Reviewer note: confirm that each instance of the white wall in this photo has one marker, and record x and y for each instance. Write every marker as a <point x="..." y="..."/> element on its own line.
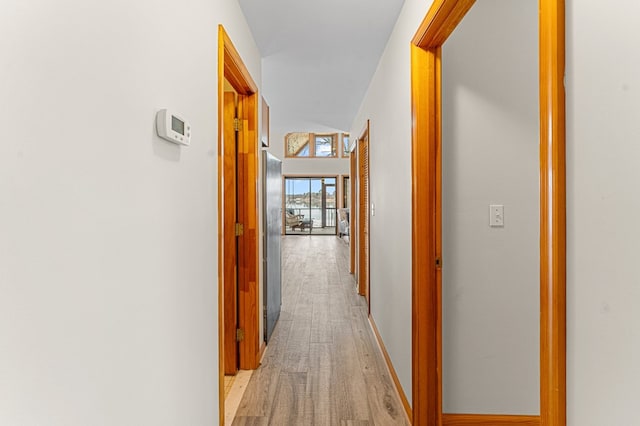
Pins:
<point x="108" y="235"/>
<point x="388" y="105"/>
<point x="490" y="155"/>
<point x="603" y="207"/>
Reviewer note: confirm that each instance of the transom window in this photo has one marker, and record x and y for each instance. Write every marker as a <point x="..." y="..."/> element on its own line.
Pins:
<point x="325" y="145"/>
<point x="345" y="145"/>
<point x="311" y="145"/>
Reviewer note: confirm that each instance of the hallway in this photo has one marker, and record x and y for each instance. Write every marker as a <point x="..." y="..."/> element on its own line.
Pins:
<point x="322" y="365"/>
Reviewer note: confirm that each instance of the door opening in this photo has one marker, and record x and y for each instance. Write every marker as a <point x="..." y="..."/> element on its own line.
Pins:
<point x="238" y="257"/>
<point x="310" y="205"/>
<point x="426" y="77"/>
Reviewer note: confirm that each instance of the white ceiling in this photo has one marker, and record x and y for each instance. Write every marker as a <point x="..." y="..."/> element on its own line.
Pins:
<point x="318" y="56"/>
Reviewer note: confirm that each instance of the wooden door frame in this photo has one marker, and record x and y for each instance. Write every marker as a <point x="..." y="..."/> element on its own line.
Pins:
<point x="231" y="68"/>
<point x="426" y="78"/>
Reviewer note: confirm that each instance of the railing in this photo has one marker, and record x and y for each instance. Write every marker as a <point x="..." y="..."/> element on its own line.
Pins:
<point x="316" y="215"/>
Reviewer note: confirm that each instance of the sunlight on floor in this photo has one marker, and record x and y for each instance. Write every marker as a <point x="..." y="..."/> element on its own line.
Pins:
<point x="234" y="387"/>
<point x="228" y="383"/>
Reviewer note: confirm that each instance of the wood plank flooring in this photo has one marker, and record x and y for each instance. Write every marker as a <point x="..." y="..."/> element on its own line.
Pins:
<point x="322" y="365"/>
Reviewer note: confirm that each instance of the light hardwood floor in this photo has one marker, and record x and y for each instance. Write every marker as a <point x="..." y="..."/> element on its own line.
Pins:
<point x="322" y="365"/>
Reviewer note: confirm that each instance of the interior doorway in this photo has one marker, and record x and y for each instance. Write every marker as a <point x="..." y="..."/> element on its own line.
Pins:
<point x="310" y="205"/>
<point x="238" y="256"/>
<point x="426" y="78"/>
<point x="489" y="157"/>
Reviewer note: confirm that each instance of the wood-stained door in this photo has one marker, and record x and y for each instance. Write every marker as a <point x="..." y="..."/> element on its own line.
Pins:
<point x="230" y="238"/>
<point x="363" y="215"/>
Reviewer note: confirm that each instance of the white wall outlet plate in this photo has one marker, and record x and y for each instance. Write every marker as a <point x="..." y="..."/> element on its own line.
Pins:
<point x="496" y="215"/>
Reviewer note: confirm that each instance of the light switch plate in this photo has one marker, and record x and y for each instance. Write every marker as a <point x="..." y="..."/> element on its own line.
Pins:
<point x="496" y="215"/>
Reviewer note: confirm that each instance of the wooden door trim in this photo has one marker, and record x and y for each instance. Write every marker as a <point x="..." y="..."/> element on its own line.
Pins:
<point x="552" y="213"/>
<point x="312" y="175"/>
<point x="231" y="68"/>
<point x="439" y="23"/>
<point x="489" y="420"/>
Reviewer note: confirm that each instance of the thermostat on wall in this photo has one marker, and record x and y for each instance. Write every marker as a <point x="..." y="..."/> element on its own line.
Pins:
<point x="172" y="127"/>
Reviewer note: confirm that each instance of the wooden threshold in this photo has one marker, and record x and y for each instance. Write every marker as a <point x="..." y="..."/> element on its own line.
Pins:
<point x="489" y="420"/>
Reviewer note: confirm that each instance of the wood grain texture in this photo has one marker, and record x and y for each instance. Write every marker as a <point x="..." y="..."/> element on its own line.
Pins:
<point x="392" y="370"/>
<point x="442" y="18"/>
<point x="229" y="249"/>
<point x="248" y="254"/>
<point x="251" y="421"/>
<point x="353" y="172"/>
<point x="363" y="215"/>
<point x="489" y="420"/>
<point x="263" y="349"/>
<point x="234" y="69"/>
<point x="322" y="365"/>
<point x="425" y="303"/>
<point x="244" y="240"/>
<point x="221" y="83"/>
<point x="438" y="222"/>
<point x="552" y="214"/>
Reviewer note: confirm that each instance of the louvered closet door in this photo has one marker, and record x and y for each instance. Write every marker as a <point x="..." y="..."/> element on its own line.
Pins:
<point x="353" y="215"/>
<point x="363" y="215"/>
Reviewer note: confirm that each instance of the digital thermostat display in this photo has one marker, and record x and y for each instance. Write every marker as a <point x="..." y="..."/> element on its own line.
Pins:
<point x="173" y="127"/>
<point x="177" y="125"/>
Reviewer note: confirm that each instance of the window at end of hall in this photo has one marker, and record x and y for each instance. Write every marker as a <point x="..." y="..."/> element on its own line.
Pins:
<point x="325" y="145"/>
<point x="311" y="145"/>
<point x="345" y="144"/>
<point x="297" y="145"/>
